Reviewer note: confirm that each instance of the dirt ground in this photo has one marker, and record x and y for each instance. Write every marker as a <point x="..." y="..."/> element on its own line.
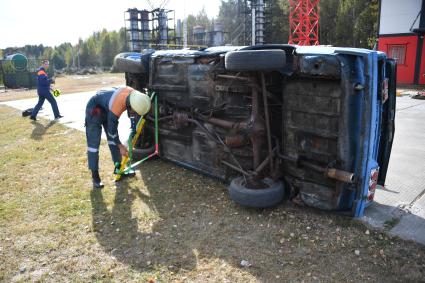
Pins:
<point x="69" y="84"/>
<point x="167" y="224"/>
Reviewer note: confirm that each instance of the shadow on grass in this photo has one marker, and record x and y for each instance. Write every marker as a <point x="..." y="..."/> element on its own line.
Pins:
<point x="40" y="129"/>
<point x="190" y="223"/>
<point x="184" y="222"/>
<point x="120" y="235"/>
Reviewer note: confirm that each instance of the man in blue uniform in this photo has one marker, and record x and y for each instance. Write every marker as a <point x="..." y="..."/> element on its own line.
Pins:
<point x="104" y="109"/>
<point x="43" y="91"/>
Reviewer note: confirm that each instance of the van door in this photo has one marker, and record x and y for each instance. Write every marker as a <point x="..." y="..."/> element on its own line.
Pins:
<point x="388" y="117"/>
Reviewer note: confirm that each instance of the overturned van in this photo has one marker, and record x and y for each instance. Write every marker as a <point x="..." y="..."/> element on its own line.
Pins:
<point x="312" y="123"/>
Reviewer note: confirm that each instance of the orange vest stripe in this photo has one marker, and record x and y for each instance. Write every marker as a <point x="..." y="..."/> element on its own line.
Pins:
<point x="118" y="105"/>
<point x="41" y="73"/>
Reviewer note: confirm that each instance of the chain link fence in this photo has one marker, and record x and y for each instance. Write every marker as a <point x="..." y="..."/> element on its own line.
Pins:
<point x="22" y="76"/>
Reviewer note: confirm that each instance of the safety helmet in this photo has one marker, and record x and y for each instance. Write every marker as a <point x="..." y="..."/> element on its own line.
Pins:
<point x="56" y="92"/>
<point x="140" y="102"/>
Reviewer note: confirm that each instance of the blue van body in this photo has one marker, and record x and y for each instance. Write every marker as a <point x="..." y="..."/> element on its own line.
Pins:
<point x="321" y="122"/>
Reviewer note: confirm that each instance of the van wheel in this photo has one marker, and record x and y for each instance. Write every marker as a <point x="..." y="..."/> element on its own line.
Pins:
<point x="129" y="62"/>
<point x="269" y="193"/>
<point x="140" y="153"/>
<point x="255" y="60"/>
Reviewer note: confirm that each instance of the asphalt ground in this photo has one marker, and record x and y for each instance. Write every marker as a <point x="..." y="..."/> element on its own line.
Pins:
<point x="400" y="205"/>
<point x="72" y="107"/>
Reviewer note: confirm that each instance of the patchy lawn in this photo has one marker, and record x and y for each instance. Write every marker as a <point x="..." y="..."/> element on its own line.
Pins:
<point x="166" y="225"/>
<point x="70" y="84"/>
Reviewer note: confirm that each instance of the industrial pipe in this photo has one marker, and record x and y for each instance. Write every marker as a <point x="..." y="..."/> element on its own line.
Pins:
<point x="336" y="174"/>
<point x="340" y="175"/>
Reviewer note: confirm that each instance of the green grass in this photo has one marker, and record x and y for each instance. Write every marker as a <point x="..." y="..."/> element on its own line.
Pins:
<point x="166" y="225"/>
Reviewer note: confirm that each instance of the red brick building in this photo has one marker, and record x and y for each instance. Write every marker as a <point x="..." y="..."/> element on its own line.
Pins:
<point x="401" y="35"/>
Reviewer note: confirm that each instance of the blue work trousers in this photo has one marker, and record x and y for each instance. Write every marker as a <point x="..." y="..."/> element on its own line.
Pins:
<point x="41" y="98"/>
<point x="96" y="118"/>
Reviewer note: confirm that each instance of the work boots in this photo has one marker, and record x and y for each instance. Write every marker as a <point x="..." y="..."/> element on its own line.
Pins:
<point x="97" y="183"/>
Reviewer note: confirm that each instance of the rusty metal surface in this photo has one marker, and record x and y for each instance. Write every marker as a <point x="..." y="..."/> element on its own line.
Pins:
<point x="233" y="109"/>
<point x="228" y="123"/>
<point x="311" y="118"/>
<point x="267" y="119"/>
<point x="235" y="141"/>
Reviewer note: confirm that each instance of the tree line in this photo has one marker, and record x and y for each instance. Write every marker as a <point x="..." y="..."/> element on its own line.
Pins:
<point x="342" y="23"/>
<point x="350" y="23"/>
<point x="98" y="50"/>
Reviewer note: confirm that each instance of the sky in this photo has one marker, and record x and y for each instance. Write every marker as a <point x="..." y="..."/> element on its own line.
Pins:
<point x="52" y="22"/>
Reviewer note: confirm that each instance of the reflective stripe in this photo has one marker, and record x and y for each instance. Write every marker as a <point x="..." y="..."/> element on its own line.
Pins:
<point x="112" y="136"/>
<point x="112" y="143"/>
<point x="111" y="101"/>
<point x="92" y="149"/>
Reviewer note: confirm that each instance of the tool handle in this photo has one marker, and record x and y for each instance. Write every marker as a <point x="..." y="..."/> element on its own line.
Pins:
<point x="125" y="159"/>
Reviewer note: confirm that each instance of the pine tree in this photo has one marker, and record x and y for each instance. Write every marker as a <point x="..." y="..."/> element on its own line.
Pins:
<point x="106" y="52"/>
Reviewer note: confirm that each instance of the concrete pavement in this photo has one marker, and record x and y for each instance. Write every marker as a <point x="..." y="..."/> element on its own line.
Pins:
<point x="72" y="107"/>
<point x="399" y="206"/>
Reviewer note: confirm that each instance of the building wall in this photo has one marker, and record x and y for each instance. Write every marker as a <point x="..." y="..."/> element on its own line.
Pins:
<point x="397" y="21"/>
<point x="422" y="68"/>
<point x="406" y="65"/>
<point x="397" y="16"/>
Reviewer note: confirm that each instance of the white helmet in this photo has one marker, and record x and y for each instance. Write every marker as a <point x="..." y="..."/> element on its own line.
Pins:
<point x="140" y="102"/>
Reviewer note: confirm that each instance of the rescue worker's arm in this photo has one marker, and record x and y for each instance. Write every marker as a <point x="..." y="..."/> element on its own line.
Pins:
<point x="123" y="150"/>
<point x="112" y="133"/>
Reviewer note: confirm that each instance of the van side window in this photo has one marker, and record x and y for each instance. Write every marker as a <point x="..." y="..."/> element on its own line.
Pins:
<point x="397" y="52"/>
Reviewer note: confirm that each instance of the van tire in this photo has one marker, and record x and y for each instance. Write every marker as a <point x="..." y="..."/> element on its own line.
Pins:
<point x="140" y="153"/>
<point x="272" y="195"/>
<point x="255" y="60"/>
<point x="123" y="63"/>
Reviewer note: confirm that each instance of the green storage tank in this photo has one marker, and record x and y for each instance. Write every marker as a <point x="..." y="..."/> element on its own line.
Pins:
<point x="19" y="61"/>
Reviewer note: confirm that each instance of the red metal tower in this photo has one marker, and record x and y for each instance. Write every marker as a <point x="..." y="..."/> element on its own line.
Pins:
<point x="304" y="22"/>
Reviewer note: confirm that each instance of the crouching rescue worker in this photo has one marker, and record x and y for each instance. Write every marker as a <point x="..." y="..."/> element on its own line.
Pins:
<point x="104" y="109"/>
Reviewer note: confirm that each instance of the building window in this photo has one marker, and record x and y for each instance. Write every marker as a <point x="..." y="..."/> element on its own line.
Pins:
<point x="397" y="52"/>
